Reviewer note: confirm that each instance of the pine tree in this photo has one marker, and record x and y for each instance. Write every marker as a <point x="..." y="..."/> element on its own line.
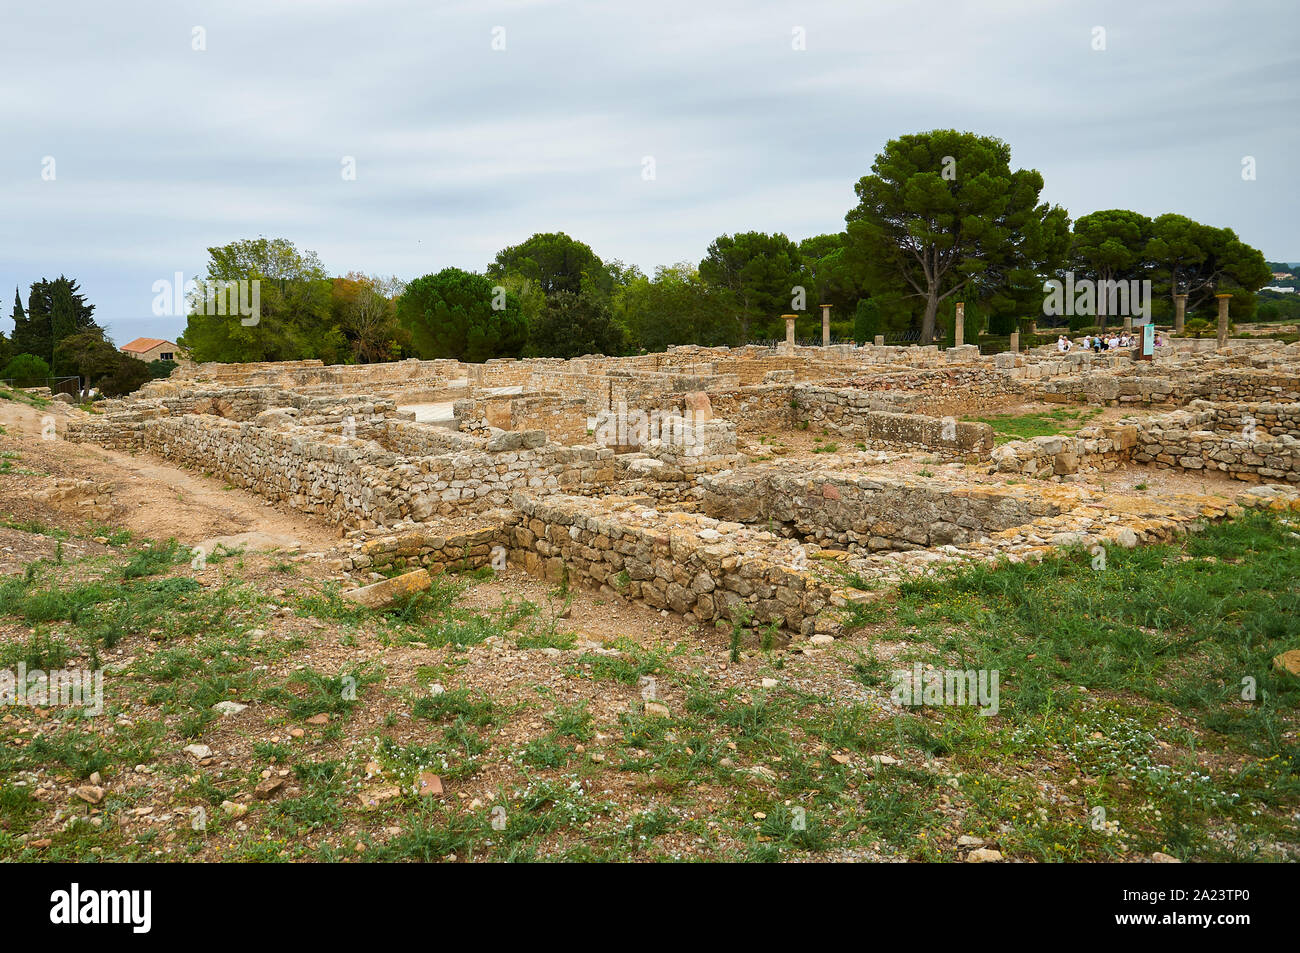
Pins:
<point x="55" y="310"/>
<point x="29" y="337"/>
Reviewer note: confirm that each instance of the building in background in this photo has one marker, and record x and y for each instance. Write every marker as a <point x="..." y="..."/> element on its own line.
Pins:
<point x="153" y="349"/>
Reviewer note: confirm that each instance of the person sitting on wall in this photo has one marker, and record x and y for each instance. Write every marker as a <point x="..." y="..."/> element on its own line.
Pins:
<point x="1063" y="344"/>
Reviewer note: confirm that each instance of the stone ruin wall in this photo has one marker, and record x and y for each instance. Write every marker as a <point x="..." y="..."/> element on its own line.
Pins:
<point x="867" y="416"/>
<point x="564" y="418"/>
<point x="870" y="513"/>
<point x="1246" y="441"/>
<point x="301" y="434"/>
<point x="678" y="561"/>
<point x="355" y="483"/>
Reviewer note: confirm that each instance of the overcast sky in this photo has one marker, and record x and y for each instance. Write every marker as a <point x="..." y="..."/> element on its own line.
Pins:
<point x="161" y="150"/>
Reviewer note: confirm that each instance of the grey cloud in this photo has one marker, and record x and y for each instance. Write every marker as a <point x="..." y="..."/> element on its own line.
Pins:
<point x="163" y="151"/>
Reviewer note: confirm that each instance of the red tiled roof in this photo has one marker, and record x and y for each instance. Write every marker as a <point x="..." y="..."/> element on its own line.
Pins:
<point x="140" y="345"/>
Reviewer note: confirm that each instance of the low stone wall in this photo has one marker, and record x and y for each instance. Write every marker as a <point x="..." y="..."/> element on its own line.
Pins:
<point x="1248" y="385"/>
<point x="438" y="551"/>
<point x="595" y="389"/>
<point x="689" y="564"/>
<point x="870" y="512"/>
<point x="1092" y="448"/>
<point x="354" y="482"/>
<point x="1259" y="417"/>
<point x="246" y="402"/>
<point x="1247" y="441"/>
<point x="758" y="408"/>
<point x="865" y="415"/>
<point x="848" y="413"/>
<point x="563" y="418"/>
<point x="411" y="439"/>
<point x="1138" y="384"/>
<point x="309" y="373"/>
<point x="1207" y="437"/>
<point x="956" y="390"/>
<point x="1108" y="389"/>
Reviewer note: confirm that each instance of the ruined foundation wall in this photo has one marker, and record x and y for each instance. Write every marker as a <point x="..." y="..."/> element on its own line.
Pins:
<point x="855" y="413"/>
<point x="355" y="482"/>
<point x="677" y="561"/>
<point x="1210" y="437"/>
<point x="870" y="513"/>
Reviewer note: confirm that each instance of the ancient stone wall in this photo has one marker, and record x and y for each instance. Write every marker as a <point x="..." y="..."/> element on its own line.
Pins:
<point x="1218" y="438"/>
<point x="849" y="412"/>
<point x="869" y="512"/>
<point x="1172" y="385"/>
<point x="355" y="482"/>
<point x="1092" y="448"/>
<point x="860" y="414"/>
<point x="684" y="562"/>
<point x="438" y="551"/>
<point x="563" y="418"/>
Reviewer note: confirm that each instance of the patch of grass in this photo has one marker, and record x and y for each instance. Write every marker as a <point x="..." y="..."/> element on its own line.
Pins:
<point x="22" y="397"/>
<point x="308" y="692"/>
<point x="319" y="805"/>
<point x="150" y="561"/>
<point x="1118" y="677"/>
<point x="1007" y="427"/>
<point x="34" y="527"/>
<point x="629" y="667"/>
<point x="43" y="651"/>
<point x="458" y="703"/>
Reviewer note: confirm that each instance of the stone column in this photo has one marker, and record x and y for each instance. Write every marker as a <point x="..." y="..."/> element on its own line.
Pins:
<point x="1015" y="342"/>
<point x="880" y="340"/>
<point x="959" y="325"/>
<point x="826" y="325"/>
<point x="1223" y="318"/>
<point x="1180" y="312"/>
<point x="1128" y="324"/>
<point x="789" y="331"/>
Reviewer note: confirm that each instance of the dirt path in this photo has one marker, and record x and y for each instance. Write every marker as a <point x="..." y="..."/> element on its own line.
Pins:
<point x="148" y="496"/>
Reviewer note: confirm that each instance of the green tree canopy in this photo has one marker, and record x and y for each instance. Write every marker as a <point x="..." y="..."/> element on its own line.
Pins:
<point x="943" y="210"/>
<point x="364" y="309"/>
<point x="866" y="321"/>
<point x="572" y="325"/>
<point x="830" y="276"/>
<point x="1186" y="257"/>
<point x="55" y="309"/>
<point x="755" y="274"/>
<point x="26" y="368"/>
<point x="98" y="363"/>
<point x="554" y="262"/>
<point x="294" y="321"/>
<point x="675" y="307"/>
<point x="160" y="370"/>
<point x="1110" y="246"/>
<point x="461" y="315"/>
